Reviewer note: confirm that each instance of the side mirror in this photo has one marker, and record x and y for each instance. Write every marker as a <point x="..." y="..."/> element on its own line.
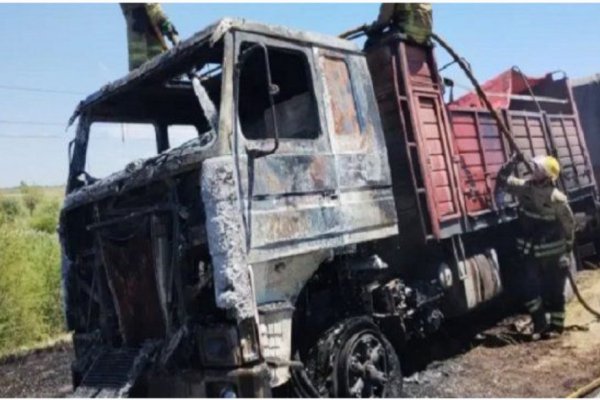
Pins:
<point x="262" y="147"/>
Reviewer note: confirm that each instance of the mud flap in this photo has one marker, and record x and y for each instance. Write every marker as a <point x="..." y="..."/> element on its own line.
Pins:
<point x="114" y="372"/>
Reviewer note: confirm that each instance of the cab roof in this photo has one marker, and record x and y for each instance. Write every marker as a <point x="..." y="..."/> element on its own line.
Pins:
<point x="151" y="76"/>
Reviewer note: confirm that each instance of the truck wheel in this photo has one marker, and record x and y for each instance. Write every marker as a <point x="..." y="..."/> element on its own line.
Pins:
<point x="351" y="359"/>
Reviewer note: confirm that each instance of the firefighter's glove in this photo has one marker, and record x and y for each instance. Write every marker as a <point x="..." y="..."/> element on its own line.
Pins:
<point x="505" y="172"/>
<point x="518" y="156"/>
<point x="168" y="29"/>
<point x="565" y="261"/>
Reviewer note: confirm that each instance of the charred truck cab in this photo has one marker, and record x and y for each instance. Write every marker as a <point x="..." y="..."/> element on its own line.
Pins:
<point x="314" y="225"/>
<point x="182" y="271"/>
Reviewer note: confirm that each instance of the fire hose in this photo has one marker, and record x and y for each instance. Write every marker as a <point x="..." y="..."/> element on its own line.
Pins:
<point x="584" y="303"/>
<point x="502" y="126"/>
<point x="586" y="390"/>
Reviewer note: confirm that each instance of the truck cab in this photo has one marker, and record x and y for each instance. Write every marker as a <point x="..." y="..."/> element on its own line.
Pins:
<point x="183" y="270"/>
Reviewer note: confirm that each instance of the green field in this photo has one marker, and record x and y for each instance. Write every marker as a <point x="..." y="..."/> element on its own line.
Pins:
<point x="30" y="299"/>
<point x="56" y="192"/>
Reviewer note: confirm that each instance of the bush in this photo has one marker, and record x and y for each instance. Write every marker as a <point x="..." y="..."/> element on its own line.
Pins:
<point x="30" y="300"/>
<point x="45" y="216"/>
<point x="31" y="195"/>
<point x="10" y="210"/>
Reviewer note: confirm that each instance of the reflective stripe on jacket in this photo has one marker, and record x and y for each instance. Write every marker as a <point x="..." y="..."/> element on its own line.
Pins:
<point x="142" y="42"/>
<point x="547" y="222"/>
<point x="528" y="248"/>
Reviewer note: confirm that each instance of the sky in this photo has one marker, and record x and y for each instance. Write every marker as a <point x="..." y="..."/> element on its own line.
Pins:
<point x="71" y="50"/>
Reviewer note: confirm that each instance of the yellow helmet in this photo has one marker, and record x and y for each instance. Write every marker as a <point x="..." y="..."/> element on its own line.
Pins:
<point x="547" y="165"/>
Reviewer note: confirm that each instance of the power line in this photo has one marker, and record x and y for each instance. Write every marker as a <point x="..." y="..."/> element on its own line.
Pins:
<point x="41" y="90"/>
<point x="31" y="137"/>
<point x="24" y="122"/>
<point x="98" y="137"/>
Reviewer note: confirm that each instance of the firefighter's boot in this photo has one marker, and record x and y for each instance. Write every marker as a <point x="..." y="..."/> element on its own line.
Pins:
<point x="538" y="317"/>
<point x="557" y="325"/>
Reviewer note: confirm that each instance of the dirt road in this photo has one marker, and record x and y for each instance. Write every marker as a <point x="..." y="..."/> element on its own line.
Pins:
<point x="495" y="365"/>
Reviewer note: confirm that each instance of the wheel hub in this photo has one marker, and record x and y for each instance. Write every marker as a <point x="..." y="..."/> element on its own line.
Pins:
<point x="366" y="369"/>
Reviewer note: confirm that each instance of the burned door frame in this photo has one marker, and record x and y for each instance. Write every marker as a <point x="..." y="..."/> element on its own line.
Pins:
<point x="308" y="162"/>
<point x="367" y="204"/>
<point x="311" y="195"/>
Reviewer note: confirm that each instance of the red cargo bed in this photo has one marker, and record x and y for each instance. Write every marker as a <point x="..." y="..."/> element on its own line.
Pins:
<point x="481" y="151"/>
<point x="444" y="159"/>
<point x="418" y="138"/>
<point x="540" y="113"/>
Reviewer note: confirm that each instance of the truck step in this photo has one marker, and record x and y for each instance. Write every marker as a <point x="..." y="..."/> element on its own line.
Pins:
<point x="113" y="373"/>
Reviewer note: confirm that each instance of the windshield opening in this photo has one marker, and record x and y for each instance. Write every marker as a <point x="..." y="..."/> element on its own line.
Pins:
<point x="153" y="115"/>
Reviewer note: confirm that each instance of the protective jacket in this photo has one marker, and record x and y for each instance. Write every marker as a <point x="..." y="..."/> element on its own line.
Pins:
<point x="547" y="222"/>
<point x="143" y="20"/>
<point x="414" y="19"/>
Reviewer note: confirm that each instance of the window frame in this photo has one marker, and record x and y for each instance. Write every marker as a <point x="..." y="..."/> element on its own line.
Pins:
<point x="320" y="143"/>
<point x="363" y="105"/>
<point x="94" y="136"/>
<point x="334" y="56"/>
<point x="197" y="134"/>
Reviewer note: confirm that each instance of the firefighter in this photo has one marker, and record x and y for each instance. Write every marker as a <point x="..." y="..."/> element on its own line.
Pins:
<point x="545" y="241"/>
<point x="414" y="19"/>
<point x="147" y="24"/>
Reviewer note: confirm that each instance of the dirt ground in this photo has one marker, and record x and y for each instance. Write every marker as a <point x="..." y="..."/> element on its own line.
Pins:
<point x="493" y="364"/>
<point x="501" y="365"/>
<point x="41" y="373"/>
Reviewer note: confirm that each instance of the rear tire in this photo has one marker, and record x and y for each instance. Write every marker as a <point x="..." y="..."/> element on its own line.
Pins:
<point x="351" y="359"/>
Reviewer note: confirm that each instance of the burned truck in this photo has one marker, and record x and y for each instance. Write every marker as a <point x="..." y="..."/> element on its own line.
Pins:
<point x="317" y="221"/>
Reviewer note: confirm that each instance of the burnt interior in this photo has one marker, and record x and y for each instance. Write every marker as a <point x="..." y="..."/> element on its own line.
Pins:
<point x="137" y="254"/>
<point x="292" y="94"/>
<point x="140" y="261"/>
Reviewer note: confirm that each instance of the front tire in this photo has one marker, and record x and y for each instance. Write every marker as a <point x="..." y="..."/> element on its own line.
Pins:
<point x="351" y="359"/>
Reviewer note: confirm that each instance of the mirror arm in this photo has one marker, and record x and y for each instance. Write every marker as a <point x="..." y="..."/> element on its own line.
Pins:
<point x="273" y="90"/>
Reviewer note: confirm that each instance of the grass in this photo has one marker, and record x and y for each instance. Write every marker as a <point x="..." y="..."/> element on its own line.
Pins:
<point x="52" y="192"/>
<point x="43" y="345"/>
<point x="30" y="296"/>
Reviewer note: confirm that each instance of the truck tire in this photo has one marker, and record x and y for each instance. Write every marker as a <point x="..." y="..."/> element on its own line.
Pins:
<point x="351" y="359"/>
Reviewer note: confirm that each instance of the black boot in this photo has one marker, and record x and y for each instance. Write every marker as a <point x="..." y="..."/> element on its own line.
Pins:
<point x="556" y="327"/>
<point x="540" y="325"/>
